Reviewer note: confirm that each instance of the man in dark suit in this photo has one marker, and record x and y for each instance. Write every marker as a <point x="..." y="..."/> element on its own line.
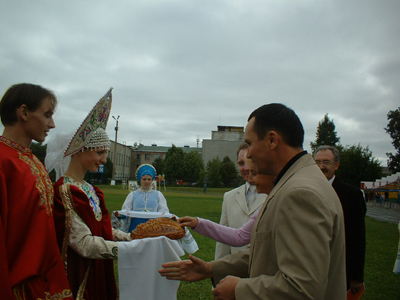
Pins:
<point x="354" y="209"/>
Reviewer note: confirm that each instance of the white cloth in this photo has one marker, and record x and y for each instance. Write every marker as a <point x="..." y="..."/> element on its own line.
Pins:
<point x="188" y="243"/>
<point x="138" y="265"/>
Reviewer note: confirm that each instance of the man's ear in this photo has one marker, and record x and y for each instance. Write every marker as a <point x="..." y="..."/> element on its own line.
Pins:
<point x="23" y="112"/>
<point x="337" y="165"/>
<point x="273" y="139"/>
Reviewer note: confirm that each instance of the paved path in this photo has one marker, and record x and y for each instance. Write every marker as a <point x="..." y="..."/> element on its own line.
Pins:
<point x="383" y="214"/>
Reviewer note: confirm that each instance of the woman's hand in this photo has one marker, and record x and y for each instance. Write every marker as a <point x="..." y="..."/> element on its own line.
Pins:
<point x="188" y="221"/>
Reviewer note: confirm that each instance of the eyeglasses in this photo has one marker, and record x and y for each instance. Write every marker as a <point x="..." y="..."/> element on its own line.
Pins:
<point x="324" y="162"/>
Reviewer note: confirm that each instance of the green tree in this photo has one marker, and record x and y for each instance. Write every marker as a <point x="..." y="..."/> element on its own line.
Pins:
<point x="158" y="164"/>
<point x="108" y="169"/>
<point x="173" y="167"/>
<point x="228" y="172"/>
<point x="393" y="129"/>
<point x="214" y="177"/>
<point x="357" y="164"/>
<point x="39" y="150"/>
<point x="96" y="177"/>
<point x="326" y="134"/>
<point x="193" y="165"/>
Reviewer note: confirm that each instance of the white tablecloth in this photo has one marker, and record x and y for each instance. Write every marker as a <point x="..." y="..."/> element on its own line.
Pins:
<point x="138" y="265"/>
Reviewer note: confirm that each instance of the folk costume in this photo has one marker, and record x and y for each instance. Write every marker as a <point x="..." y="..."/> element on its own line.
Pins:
<point x="30" y="261"/>
<point x="148" y="200"/>
<point x="87" y="242"/>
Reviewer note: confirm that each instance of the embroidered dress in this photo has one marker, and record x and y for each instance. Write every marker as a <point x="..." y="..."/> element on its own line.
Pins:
<point x="30" y="261"/>
<point x="146" y="200"/>
<point x="85" y="238"/>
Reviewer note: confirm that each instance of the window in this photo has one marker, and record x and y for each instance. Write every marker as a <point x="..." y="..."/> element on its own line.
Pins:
<point x="147" y="156"/>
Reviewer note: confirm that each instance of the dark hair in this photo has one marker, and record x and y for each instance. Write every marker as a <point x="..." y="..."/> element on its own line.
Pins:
<point x="280" y="118"/>
<point x="241" y="147"/>
<point x="19" y="94"/>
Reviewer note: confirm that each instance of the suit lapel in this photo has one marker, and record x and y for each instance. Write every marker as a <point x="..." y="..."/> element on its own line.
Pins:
<point x="240" y="198"/>
<point x="300" y="163"/>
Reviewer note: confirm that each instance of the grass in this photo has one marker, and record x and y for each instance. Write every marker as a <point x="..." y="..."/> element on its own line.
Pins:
<point x="382" y="241"/>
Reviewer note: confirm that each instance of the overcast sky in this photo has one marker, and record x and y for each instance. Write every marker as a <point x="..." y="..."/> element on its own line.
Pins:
<point x="181" y="68"/>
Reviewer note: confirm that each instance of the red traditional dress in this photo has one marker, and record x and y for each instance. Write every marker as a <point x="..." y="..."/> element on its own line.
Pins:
<point x="85" y="237"/>
<point x="30" y="261"/>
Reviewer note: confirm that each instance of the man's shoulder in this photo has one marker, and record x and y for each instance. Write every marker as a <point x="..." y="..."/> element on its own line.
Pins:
<point x="341" y="186"/>
<point x="235" y="191"/>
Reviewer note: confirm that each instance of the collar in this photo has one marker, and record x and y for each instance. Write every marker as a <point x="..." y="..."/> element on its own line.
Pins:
<point x="247" y="186"/>
<point x="15" y="145"/>
<point x="289" y="164"/>
<point x="332" y="179"/>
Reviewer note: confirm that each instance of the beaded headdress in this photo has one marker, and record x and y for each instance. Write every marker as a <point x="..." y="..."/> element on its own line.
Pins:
<point x="99" y="140"/>
<point x="96" y="119"/>
<point x="145" y="169"/>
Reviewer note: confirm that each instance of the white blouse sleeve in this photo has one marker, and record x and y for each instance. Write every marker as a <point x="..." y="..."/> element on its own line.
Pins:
<point x="85" y="244"/>
<point x="162" y="203"/>
<point x="128" y="204"/>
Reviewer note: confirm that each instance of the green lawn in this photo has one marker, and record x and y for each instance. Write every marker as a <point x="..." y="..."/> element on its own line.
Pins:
<point x="382" y="241"/>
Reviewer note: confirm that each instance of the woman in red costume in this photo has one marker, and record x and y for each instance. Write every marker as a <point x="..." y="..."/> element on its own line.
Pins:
<point x="87" y="242"/>
<point x="30" y="261"/>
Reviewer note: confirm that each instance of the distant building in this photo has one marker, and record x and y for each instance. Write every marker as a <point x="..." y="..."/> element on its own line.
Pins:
<point x="126" y="159"/>
<point x="224" y="142"/>
<point x="148" y="154"/>
<point x="122" y="161"/>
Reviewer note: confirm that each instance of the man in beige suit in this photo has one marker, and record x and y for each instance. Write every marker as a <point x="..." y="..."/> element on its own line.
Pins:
<point x="239" y="204"/>
<point x="297" y="247"/>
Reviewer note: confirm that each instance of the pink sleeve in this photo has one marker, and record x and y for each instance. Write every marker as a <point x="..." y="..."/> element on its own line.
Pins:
<point x="231" y="236"/>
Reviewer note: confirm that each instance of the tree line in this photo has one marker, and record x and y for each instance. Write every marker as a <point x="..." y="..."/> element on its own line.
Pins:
<point x="357" y="162"/>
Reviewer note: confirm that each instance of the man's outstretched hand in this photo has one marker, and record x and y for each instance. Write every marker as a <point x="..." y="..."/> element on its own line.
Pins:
<point x="193" y="269"/>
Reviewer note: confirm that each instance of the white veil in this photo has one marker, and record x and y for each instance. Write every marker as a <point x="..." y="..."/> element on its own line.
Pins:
<point x="56" y="147"/>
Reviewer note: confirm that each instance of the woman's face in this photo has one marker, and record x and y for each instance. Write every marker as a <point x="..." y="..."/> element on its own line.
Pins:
<point x="39" y="122"/>
<point x="263" y="183"/>
<point x="146" y="181"/>
<point x="92" y="159"/>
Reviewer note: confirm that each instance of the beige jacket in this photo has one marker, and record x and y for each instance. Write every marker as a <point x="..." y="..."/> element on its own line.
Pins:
<point x="297" y="248"/>
<point x="235" y="214"/>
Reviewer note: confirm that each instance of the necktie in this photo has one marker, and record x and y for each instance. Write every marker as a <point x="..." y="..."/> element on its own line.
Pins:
<point x="251" y="196"/>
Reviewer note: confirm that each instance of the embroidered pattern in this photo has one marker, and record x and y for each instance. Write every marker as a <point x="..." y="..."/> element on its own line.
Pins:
<point x="19" y="294"/>
<point x="88" y="189"/>
<point x="43" y="182"/>
<point x="114" y="254"/>
<point x="65" y="294"/>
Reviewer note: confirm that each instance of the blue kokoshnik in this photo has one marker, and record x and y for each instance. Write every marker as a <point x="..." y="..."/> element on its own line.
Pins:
<point x="145" y="169"/>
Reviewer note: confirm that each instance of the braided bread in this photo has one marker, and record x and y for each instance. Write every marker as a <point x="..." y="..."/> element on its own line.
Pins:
<point x="158" y="227"/>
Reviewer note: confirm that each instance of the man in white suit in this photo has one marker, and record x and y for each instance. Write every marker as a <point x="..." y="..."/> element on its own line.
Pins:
<point x="239" y="204"/>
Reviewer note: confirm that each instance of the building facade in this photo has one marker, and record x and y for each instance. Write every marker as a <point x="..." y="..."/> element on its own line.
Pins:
<point x="148" y="154"/>
<point x="120" y="155"/>
<point x="224" y="142"/>
<point x="126" y="159"/>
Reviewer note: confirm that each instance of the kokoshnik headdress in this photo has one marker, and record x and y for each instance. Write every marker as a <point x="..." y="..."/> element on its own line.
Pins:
<point x="90" y="135"/>
<point x="145" y="169"/>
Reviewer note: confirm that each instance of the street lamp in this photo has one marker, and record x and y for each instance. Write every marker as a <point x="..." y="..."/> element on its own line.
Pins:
<point x="115" y="146"/>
